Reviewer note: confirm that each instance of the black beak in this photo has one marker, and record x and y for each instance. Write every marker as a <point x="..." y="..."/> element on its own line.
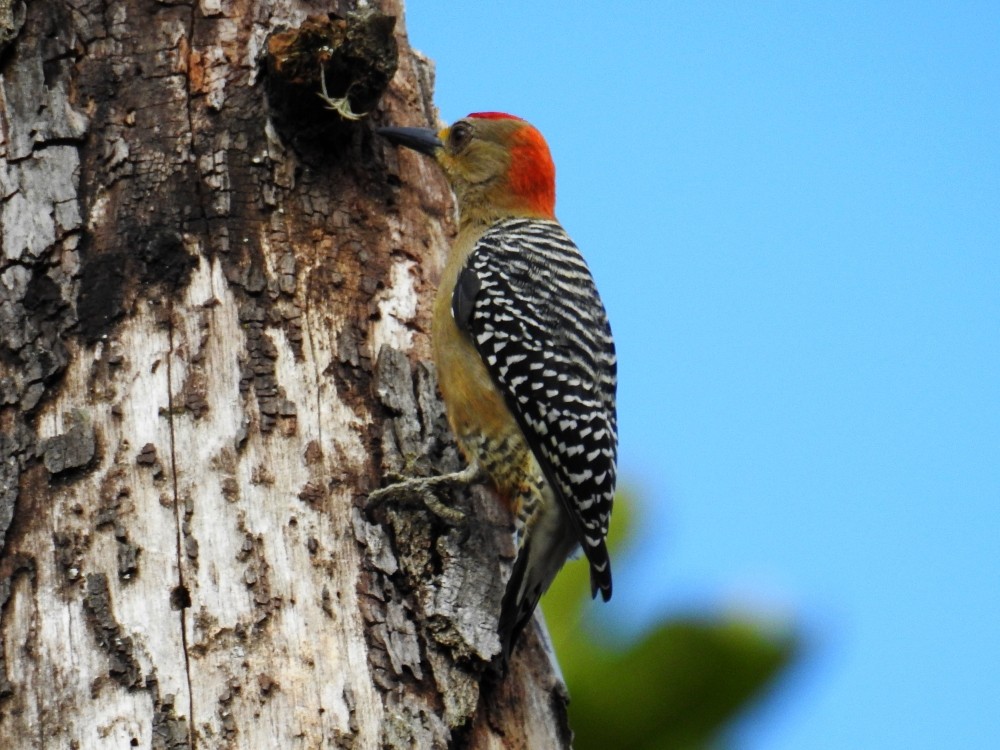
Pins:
<point x="423" y="140"/>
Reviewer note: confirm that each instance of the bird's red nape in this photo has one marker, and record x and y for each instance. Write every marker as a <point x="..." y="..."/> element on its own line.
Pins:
<point x="532" y="173"/>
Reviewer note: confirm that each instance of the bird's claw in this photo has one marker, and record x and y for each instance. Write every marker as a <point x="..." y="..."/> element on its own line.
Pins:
<point x="424" y="490"/>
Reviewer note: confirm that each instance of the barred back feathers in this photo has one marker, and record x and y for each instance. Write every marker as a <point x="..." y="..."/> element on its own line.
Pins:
<point x="527" y="299"/>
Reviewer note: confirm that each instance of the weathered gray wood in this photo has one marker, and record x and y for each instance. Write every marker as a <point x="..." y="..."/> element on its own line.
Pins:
<point x="213" y="334"/>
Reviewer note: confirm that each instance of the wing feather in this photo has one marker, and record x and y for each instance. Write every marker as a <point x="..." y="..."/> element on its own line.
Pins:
<point x="528" y="302"/>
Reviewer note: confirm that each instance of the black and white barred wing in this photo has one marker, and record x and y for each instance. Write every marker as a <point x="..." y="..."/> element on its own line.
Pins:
<point x="528" y="301"/>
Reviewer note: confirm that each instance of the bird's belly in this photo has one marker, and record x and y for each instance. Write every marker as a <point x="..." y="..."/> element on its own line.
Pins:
<point x="483" y="426"/>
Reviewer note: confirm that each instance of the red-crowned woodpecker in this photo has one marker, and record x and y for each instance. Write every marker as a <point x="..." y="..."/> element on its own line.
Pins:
<point x="524" y="354"/>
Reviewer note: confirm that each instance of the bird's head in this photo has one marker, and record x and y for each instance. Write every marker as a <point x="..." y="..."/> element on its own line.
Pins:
<point x="498" y="165"/>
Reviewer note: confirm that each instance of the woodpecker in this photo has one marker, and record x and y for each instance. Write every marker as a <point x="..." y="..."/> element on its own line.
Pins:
<point x="524" y="355"/>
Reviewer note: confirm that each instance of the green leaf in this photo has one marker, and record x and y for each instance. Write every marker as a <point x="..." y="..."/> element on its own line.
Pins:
<point x="676" y="687"/>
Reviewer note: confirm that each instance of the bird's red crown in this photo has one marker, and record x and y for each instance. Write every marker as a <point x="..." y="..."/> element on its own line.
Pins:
<point x="494" y="116"/>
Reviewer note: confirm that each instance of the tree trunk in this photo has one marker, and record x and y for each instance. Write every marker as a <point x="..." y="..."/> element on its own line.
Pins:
<point x="214" y="298"/>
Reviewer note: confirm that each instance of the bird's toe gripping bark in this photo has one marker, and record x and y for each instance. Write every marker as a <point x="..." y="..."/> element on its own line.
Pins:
<point x="424" y="491"/>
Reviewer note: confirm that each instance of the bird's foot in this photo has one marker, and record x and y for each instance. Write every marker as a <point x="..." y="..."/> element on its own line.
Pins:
<point x="424" y="490"/>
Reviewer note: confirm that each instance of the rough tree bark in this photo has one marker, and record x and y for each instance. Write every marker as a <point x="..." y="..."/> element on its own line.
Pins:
<point x="213" y="304"/>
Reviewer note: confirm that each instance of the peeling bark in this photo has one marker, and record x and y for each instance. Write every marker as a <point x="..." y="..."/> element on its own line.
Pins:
<point x="214" y="300"/>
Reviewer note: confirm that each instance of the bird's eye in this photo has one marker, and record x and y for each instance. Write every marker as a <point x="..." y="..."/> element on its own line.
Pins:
<point x="459" y="135"/>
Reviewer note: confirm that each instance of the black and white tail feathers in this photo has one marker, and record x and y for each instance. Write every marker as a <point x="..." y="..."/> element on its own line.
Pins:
<point x="538" y="561"/>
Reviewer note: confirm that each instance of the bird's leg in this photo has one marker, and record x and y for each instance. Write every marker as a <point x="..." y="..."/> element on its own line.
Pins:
<point x="341" y="106"/>
<point x="424" y="490"/>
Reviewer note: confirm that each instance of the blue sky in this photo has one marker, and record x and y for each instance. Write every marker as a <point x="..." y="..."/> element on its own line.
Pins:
<point x="793" y="214"/>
